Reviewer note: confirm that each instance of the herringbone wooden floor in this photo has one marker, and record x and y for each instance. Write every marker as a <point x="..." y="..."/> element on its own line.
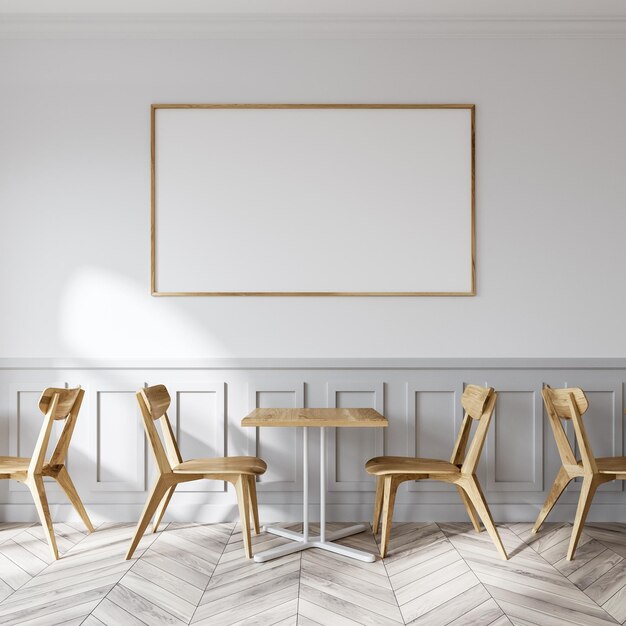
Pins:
<point x="435" y="574"/>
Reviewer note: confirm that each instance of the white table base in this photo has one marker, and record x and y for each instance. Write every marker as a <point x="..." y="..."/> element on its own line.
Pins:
<point x="324" y="541"/>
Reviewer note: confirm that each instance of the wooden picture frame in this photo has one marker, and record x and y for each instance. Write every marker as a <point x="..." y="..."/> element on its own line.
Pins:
<point x="385" y="149"/>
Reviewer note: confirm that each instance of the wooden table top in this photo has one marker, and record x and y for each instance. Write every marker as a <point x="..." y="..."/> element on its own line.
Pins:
<point x="315" y="418"/>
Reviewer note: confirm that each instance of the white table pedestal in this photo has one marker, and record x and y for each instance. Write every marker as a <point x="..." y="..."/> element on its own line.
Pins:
<point x="324" y="541"/>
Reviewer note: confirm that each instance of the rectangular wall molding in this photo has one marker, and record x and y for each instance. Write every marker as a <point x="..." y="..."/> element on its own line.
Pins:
<point x="350" y="448"/>
<point x="281" y="448"/>
<point x="113" y="469"/>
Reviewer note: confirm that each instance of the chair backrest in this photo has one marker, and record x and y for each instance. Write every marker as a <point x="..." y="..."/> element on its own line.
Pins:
<point x="154" y="402"/>
<point x="478" y="403"/>
<point x="56" y="404"/>
<point x="569" y="404"/>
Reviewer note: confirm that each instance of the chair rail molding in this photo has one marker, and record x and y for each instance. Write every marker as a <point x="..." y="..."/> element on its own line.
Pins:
<point x="308" y="26"/>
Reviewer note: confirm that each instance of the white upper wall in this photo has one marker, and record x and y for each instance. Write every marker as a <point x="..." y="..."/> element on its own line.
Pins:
<point x="74" y="190"/>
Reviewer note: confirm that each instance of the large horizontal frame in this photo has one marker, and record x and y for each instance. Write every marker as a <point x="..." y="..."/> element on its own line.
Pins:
<point x="153" y="226"/>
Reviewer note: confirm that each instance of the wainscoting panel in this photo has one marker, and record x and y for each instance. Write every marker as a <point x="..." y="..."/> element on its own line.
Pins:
<point x="197" y="415"/>
<point x="118" y="440"/>
<point x="514" y="449"/>
<point x="433" y="420"/>
<point x="350" y="448"/>
<point x="281" y="448"/>
<point x="112" y="466"/>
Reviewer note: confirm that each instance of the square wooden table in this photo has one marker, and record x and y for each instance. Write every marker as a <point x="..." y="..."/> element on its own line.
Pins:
<point x="322" y="419"/>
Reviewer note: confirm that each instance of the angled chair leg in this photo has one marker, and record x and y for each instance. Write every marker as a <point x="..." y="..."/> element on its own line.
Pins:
<point x="254" y="507"/>
<point x="37" y="489"/>
<point x="558" y="487"/>
<point x="64" y="480"/>
<point x="391" y="486"/>
<point x="243" y="499"/>
<point x="473" y="490"/>
<point x="158" y="516"/>
<point x="378" y="503"/>
<point x="471" y="511"/>
<point x="156" y="495"/>
<point x="587" y="491"/>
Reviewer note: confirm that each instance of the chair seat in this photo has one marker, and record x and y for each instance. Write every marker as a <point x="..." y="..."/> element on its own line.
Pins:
<point x="224" y="465"/>
<point x="382" y="465"/>
<point x="611" y="464"/>
<point x="13" y="464"/>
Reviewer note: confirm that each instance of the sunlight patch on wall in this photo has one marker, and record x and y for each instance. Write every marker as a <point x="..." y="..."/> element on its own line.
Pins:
<point x="104" y="314"/>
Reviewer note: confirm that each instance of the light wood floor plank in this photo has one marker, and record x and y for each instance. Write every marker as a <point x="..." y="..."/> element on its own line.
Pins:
<point x="141" y="608"/>
<point x="274" y="596"/>
<point x="92" y="621"/>
<point x="472" y="607"/>
<point x="425" y="568"/>
<point x="47" y="613"/>
<point x="111" y="614"/>
<point x="311" y="613"/>
<point x="167" y="600"/>
<point x="412" y="557"/>
<point x="10" y="529"/>
<point x="595" y="568"/>
<point x="176" y="568"/>
<point x="419" y="606"/>
<point x="608" y="584"/>
<point x="328" y="560"/>
<point x="616" y="605"/>
<point x="337" y="575"/>
<point x="485" y="614"/>
<point x="584" y="553"/>
<point x="17" y="553"/>
<point x="12" y="574"/>
<point x="166" y="581"/>
<point x="324" y="584"/>
<point x="236" y="587"/>
<point x="224" y="575"/>
<point x="435" y="575"/>
<point x="439" y="577"/>
<point x="286" y="613"/>
<point x="336" y="605"/>
<point x="542" y="604"/>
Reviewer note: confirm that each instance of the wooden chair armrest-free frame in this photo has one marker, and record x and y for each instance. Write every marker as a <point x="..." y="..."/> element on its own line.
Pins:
<point x="241" y="471"/>
<point x="571" y="404"/>
<point x="390" y="472"/>
<point x="55" y="404"/>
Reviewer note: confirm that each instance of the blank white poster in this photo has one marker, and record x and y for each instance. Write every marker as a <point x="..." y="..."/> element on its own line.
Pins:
<point x="313" y="200"/>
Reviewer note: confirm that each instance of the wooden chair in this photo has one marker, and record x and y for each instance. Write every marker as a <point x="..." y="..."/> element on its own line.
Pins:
<point x="390" y="471"/>
<point x="55" y="404"/>
<point x="572" y="404"/>
<point x="241" y="471"/>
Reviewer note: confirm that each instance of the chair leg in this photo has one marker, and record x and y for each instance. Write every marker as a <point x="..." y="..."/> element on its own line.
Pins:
<point x="558" y="487"/>
<point x="471" y="511"/>
<point x="473" y="490"/>
<point x="587" y="491"/>
<point x="391" y="486"/>
<point x="158" y="516"/>
<point x="37" y="489"/>
<point x="243" y="499"/>
<point x="64" y="480"/>
<point x="254" y="508"/>
<point x="378" y="503"/>
<point x="155" y="497"/>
